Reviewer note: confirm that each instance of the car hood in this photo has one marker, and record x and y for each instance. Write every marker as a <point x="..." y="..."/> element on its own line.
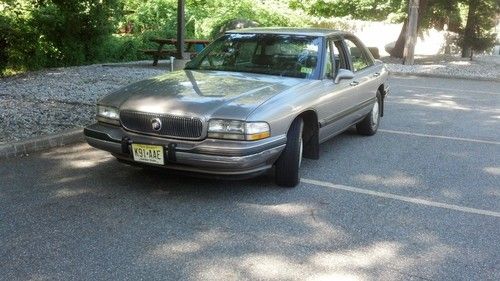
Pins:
<point x="231" y="95"/>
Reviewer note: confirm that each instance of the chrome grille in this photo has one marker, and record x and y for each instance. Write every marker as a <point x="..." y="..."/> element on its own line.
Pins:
<point x="172" y="126"/>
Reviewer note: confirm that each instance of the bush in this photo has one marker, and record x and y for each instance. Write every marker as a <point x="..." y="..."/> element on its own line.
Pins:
<point x="153" y="16"/>
<point x="120" y="48"/>
<point x="54" y="32"/>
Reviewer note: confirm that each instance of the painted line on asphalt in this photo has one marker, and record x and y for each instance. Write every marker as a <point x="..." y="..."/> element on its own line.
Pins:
<point x="438" y="137"/>
<point x="444" y="89"/>
<point x="403" y="198"/>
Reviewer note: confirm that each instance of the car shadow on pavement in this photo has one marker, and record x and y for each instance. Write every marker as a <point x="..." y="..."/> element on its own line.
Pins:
<point x="76" y="212"/>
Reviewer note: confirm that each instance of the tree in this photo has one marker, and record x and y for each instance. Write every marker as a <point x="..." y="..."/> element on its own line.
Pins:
<point x="477" y="35"/>
<point x="41" y="33"/>
<point x="411" y="33"/>
<point x="399" y="46"/>
<point x="431" y="13"/>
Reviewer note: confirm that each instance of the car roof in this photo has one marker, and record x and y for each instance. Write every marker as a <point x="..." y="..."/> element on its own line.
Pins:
<point x="290" y="31"/>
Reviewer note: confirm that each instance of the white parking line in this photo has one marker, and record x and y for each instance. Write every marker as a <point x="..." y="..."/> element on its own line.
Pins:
<point x="403" y="198"/>
<point x="445" y="89"/>
<point x="438" y="137"/>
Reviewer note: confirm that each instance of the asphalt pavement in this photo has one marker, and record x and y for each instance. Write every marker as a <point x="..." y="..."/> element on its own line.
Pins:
<point x="420" y="200"/>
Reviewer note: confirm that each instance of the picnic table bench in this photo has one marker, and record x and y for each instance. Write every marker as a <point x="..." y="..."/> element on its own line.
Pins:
<point x="193" y="46"/>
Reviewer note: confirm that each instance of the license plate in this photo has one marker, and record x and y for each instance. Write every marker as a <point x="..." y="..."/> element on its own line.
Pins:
<point x="151" y="154"/>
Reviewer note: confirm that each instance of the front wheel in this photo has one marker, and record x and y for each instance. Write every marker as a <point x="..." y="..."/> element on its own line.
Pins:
<point x="369" y="125"/>
<point x="288" y="164"/>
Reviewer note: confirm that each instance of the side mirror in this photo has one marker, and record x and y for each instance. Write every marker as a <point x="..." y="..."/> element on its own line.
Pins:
<point x="343" y="74"/>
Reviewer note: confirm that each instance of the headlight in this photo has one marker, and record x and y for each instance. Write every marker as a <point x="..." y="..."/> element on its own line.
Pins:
<point x="238" y="130"/>
<point x="108" y="114"/>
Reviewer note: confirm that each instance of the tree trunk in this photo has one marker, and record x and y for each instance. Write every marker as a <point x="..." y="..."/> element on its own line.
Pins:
<point x="181" y="30"/>
<point x="469" y="30"/>
<point x="399" y="47"/>
<point x="411" y="36"/>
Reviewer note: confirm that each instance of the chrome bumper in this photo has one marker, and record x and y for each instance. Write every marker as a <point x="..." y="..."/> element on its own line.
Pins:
<point x="209" y="156"/>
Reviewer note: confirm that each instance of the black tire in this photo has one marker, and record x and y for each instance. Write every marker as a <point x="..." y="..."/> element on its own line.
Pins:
<point x="288" y="164"/>
<point x="369" y="126"/>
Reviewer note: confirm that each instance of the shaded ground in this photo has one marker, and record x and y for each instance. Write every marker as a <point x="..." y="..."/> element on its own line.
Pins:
<point x="75" y="213"/>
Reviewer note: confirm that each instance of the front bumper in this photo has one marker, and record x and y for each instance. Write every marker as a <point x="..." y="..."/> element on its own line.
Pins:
<point x="208" y="156"/>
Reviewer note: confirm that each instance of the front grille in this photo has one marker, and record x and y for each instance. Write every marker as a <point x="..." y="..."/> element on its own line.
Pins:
<point x="172" y="126"/>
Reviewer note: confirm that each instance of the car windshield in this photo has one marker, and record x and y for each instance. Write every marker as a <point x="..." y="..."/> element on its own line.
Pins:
<point x="273" y="54"/>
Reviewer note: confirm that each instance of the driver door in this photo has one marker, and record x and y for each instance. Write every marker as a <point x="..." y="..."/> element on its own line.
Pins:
<point x="336" y="101"/>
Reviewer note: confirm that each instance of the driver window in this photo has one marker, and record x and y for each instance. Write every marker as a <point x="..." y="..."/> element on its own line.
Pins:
<point x="335" y="60"/>
<point x="329" y="72"/>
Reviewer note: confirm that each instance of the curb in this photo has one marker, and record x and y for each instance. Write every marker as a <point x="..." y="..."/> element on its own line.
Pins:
<point x="446" y="76"/>
<point x="41" y="143"/>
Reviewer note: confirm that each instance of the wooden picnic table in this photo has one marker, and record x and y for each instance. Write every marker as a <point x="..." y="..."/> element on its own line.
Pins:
<point x="190" y="47"/>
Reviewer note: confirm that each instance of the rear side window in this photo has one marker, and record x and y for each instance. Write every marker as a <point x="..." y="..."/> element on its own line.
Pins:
<point x="359" y="59"/>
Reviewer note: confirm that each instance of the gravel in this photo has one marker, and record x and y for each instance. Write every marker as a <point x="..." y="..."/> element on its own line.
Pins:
<point x="485" y="67"/>
<point x="55" y="100"/>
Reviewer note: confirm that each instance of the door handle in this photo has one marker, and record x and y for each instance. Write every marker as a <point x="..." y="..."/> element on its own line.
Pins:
<point x="354" y="83"/>
<point x="376" y="74"/>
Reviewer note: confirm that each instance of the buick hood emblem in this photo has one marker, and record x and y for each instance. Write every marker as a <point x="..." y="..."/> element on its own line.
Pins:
<point x="156" y="124"/>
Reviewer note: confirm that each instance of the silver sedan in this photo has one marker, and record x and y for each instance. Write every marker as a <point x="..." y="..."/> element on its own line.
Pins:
<point x="254" y="99"/>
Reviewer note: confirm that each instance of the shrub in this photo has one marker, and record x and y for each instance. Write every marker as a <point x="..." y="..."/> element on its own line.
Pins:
<point x="54" y="32"/>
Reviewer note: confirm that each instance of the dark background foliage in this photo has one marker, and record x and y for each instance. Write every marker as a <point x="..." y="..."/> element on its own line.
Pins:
<point x="50" y="33"/>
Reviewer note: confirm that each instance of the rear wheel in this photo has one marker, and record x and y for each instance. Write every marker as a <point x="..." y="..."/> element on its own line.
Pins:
<point x="369" y="125"/>
<point x="288" y="164"/>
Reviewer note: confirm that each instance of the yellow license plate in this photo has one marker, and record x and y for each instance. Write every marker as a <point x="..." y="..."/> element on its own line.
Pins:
<point x="151" y="154"/>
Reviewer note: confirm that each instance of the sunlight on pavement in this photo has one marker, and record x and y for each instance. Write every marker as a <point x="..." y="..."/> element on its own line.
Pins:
<point x="495" y="171"/>
<point x="198" y="243"/>
<point x="396" y="179"/>
<point x="464" y="63"/>
<point x="66" y="192"/>
<point x="287" y="209"/>
<point x="87" y="163"/>
<point x="80" y="156"/>
<point x="182" y="247"/>
<point x="441" y="103"/>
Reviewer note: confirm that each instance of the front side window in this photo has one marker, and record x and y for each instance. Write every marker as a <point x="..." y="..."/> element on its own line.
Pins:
<point x="273" y="54"/>
<point x="359" y="58"/>
<point x="334" y="60"/>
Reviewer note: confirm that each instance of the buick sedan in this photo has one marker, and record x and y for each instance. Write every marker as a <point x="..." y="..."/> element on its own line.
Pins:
<point x="254" y="100"/>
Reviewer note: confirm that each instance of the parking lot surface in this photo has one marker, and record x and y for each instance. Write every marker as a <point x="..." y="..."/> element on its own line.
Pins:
<point x="420" y="200"/>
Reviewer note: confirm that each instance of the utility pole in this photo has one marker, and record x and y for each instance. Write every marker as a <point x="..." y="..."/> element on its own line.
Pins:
<point x="181" y="32"/>
<point x="411" y="33"/>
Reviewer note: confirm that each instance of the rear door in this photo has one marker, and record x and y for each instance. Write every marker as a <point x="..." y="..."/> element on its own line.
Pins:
<point x="364" y="84"/>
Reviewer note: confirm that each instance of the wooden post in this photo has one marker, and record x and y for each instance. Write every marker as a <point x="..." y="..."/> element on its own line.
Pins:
<point x="411" y="33"/>
<point x="181" y="31"/>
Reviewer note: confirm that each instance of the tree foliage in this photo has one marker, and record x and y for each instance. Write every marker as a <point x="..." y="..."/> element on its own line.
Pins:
<point x="357" y="9"/>
<point x="48" y="33"/>
<point x="477" y="34"/>
<point x="55" y="32"/>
